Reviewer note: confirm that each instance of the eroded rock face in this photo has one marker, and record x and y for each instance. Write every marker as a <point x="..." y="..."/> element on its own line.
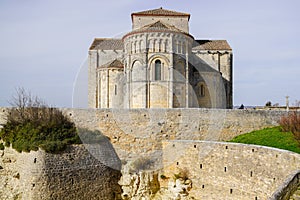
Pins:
<point x="146" y="185"/>
<point x="141" y="185"/>
<point x="179" y="188"/>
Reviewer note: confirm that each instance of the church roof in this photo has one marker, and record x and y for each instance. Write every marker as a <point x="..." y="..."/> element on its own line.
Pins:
<point x="117" y="44"/>
<point x="160" y="12"/>
<point x="107" y="44"/>
<point x="157" y="26"/>
<point x="113" y="64"/>
<point x="211" y="45"/>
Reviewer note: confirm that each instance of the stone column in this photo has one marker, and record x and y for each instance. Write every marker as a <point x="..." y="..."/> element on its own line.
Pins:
<point x="129" y="82"/>
<point x="145" y="51"/>
<point x="187" y="78"/>
<point x="171" y="74"/>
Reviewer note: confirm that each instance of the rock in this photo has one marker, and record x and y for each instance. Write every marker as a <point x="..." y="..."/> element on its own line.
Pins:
<point x="142" y="185"/>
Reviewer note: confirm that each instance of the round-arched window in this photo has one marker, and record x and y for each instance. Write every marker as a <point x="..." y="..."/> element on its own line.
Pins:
<point x="157" y="68"/>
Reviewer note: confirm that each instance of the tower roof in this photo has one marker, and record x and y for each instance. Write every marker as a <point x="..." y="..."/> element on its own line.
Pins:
<point x="160" y="12"/>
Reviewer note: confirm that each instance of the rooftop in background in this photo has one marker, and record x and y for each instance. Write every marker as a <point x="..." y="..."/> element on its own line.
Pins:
<point x="107" y="44"/>
<point x="160" y="12"/>
<point x="211" y="45"/>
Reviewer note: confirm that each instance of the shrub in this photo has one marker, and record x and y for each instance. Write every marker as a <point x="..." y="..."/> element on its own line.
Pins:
<point x="1" y="146"/>
<point x="32" y="124"/>
<point x="140" y="164"/>
<point x="268" y="104"/>
<point x="183" y="174"/>
<point x="291" y="123"/>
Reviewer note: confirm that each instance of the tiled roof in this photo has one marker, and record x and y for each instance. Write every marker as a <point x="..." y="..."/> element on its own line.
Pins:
<point x="161" y="12"/>
<point x="117" y="44"/>
<point x="160" y="26"/>
<point x="211" y="45"/>
<point x="113" y="64"/>
<point x="157" y="26"/>
<point x="107" y="44"/>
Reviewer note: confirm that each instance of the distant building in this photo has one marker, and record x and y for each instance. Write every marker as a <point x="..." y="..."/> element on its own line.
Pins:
<point x="159" y="65"/>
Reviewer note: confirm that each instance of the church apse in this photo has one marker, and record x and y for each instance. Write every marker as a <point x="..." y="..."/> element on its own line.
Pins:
<point x="160" y="65"/>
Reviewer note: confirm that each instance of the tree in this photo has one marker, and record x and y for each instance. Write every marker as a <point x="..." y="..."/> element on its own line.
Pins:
<point x="269" y="103"/>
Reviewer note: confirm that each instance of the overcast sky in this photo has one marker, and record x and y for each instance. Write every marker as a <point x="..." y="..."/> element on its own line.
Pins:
<point x="44" y="43"/>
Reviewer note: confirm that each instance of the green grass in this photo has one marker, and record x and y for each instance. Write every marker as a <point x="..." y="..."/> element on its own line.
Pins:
<point x="271" y="137"/>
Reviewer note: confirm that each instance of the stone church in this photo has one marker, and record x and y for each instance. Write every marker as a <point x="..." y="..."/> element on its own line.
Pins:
<point x="159" y="64"/>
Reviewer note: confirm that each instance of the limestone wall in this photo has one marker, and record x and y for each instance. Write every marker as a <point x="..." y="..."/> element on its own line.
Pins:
<point x="2" y="116"/>
<point x="169" y="138"/>
<point x="140" y="132"/>
<point x="287" y="190"/>
<point x="228" y="170"/>
<point x="73" y="174"/>
<point x="174" y="123"/>
<point x="131" y="129"/>
<point x="19" y="173"/>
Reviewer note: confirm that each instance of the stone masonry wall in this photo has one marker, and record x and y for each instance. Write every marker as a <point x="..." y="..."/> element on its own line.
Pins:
<point x="194" y="123"/>
<point x="228" y="170"/>
<point x="129" y="130"/>
<point x="73" y="174"/>
<point x="232" y="170"/>
<point x="288" y="189"/>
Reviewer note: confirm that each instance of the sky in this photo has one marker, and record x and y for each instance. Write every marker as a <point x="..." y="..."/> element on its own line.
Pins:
<point x="44" y="44"/>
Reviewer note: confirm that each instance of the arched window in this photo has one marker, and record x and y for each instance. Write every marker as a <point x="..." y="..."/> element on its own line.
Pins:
<point x="157" y="75"/>
<point x="202" y="90"/>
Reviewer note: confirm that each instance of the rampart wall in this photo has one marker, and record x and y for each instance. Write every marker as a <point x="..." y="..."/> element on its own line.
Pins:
<point x="170" y="139"/>
<point x="230" y="171"/>
<point x="196" y="124"/>
<point x="141" y="131"/>
<point x="73" y="174"/>
<point x="287" y="190"/>
<point x="172" y="123"/>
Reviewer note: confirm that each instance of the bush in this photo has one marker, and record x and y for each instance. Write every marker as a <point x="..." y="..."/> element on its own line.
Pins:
<point x="141" y="164"/>
<point x="268" y="104"/>
<point x="291" y="123"/>
<point x="1" y="146"/>
<point x="183" y="174"/>
<point x="32" y="124"/>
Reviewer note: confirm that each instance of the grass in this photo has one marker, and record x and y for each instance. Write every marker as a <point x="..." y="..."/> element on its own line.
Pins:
<point x="271" y="137"/>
